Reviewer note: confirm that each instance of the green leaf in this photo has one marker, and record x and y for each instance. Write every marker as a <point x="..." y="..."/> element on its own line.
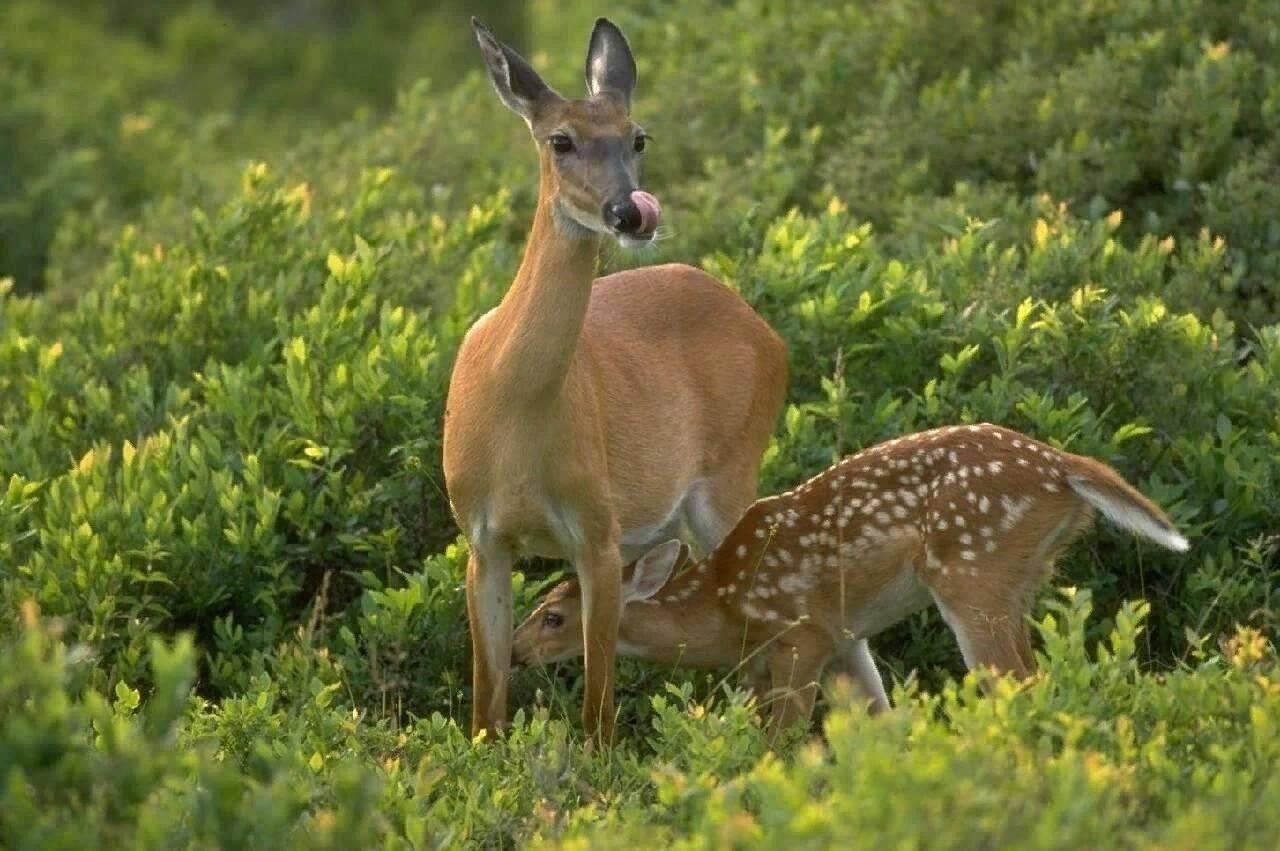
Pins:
<point x="126" y="697"/>
<point x="1127" y="432"/>
<point x="337" y="266"/>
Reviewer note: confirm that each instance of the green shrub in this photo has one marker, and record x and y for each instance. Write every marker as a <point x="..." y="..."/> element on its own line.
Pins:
<point x="1153" y="108"/>
<point x="1095" y="750"/>
<point x="74" y="138"/>
<point x="1089" y="755"/>
<point x="219" y="424"/>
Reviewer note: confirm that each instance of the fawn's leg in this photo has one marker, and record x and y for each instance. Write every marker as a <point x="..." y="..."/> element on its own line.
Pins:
<point x="990" y="638"/>
<point x="1023" y="641"/>
<point x="855" y="660"/>
<point x="795" y="664"/>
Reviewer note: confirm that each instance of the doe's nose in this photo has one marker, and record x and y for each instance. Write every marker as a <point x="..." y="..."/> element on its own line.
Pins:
<point x="623" y="216"/>
<point x="638" y="213"/>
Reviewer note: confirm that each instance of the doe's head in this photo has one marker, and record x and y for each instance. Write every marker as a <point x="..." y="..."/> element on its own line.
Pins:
<point x="589" y="149"/>
<point x="553" y="631"/>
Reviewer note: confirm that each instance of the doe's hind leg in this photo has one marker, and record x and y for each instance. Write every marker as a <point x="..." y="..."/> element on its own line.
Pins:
<point x="715" y="505"/>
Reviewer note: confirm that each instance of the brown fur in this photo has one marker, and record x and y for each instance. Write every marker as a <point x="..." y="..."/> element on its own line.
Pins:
<point x="971" y="518"/>
<point x="580" y="411"/>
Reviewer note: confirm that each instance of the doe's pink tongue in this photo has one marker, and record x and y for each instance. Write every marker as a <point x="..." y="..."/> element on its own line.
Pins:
<point x="650" y="210"/>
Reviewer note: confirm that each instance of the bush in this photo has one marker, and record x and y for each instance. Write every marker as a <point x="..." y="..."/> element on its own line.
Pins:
<point x="76" y="140"/>
<point x="1088" y="755"/>
<point x="1094" y="750"/>
<point x="190" y="90"/>
<point x="1151" y="108"/>
<point x="219" y="424"/>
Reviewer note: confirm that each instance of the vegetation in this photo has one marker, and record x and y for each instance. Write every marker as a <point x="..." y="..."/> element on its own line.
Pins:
<point x="238" y="266"/>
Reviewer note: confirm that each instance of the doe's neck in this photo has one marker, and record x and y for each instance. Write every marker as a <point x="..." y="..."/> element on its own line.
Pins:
<point x="546" y="305"/>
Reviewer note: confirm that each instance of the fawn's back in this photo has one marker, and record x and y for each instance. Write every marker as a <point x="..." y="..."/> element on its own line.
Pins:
<point x="971" y="517"/>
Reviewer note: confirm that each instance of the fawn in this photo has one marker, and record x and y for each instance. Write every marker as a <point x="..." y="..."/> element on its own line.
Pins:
<point x="590" y="419"/>
<point x="970" y="517"/>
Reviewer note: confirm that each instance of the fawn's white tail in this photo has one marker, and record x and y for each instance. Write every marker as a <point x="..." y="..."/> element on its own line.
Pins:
<point x="1122" y="504"/>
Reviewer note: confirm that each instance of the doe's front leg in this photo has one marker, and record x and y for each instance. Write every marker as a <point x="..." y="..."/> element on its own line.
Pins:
<point x="489" y="615"/>
<point x="600" y="577"/>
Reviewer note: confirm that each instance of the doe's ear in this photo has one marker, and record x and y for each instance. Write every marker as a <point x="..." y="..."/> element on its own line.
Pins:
<point x="611" y="69"/>
<point x="652" y="571"/>
<point x="517" y="84"/>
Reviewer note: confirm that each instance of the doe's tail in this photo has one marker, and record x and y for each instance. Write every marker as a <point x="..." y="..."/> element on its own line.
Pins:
<point x="1121" y="503"/>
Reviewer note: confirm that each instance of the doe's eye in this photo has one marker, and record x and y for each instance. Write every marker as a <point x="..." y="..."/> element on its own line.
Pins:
<point x="561" y="144"/>
<point x="640" y="143"/>
<point x="553" y="620"/>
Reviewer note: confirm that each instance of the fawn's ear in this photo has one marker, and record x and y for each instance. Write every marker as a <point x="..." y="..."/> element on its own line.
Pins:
<point x="519" y="86"/>
<point x="611" y="69"/>
<point x="652" y="571"/>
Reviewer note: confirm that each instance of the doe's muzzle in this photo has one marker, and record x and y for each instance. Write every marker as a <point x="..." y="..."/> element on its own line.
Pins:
<point x="636" y="214"/>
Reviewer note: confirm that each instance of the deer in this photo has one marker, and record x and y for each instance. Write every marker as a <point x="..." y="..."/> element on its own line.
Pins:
<point x="970" y="518"/>
<point x="590" y="419"/>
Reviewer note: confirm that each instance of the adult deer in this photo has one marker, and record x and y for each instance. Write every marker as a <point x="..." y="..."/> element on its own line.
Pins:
<point x="971" y="518"/>
<point x="588" y="420"/>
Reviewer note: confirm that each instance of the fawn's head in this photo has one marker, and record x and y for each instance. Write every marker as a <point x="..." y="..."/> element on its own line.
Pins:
<point x="589" y="150"/>
<point x="553" y="631"/>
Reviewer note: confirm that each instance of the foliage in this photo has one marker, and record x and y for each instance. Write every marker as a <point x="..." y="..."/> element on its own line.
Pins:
<point x="1093" y="751"/>
<point x="1089" y="755"/>
<point x="231" y="603"/>
<point x="192" y="88"/>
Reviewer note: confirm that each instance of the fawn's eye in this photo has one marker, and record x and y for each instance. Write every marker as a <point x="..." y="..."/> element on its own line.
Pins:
<point x="561" y="144"/>
<point x="553" y="620"/>
<point x="640" y="143"/>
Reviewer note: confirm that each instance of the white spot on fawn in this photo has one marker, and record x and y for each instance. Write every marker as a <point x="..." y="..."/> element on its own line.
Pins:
<point x="791" y="583"/>
<point x="1014" y="509"/>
